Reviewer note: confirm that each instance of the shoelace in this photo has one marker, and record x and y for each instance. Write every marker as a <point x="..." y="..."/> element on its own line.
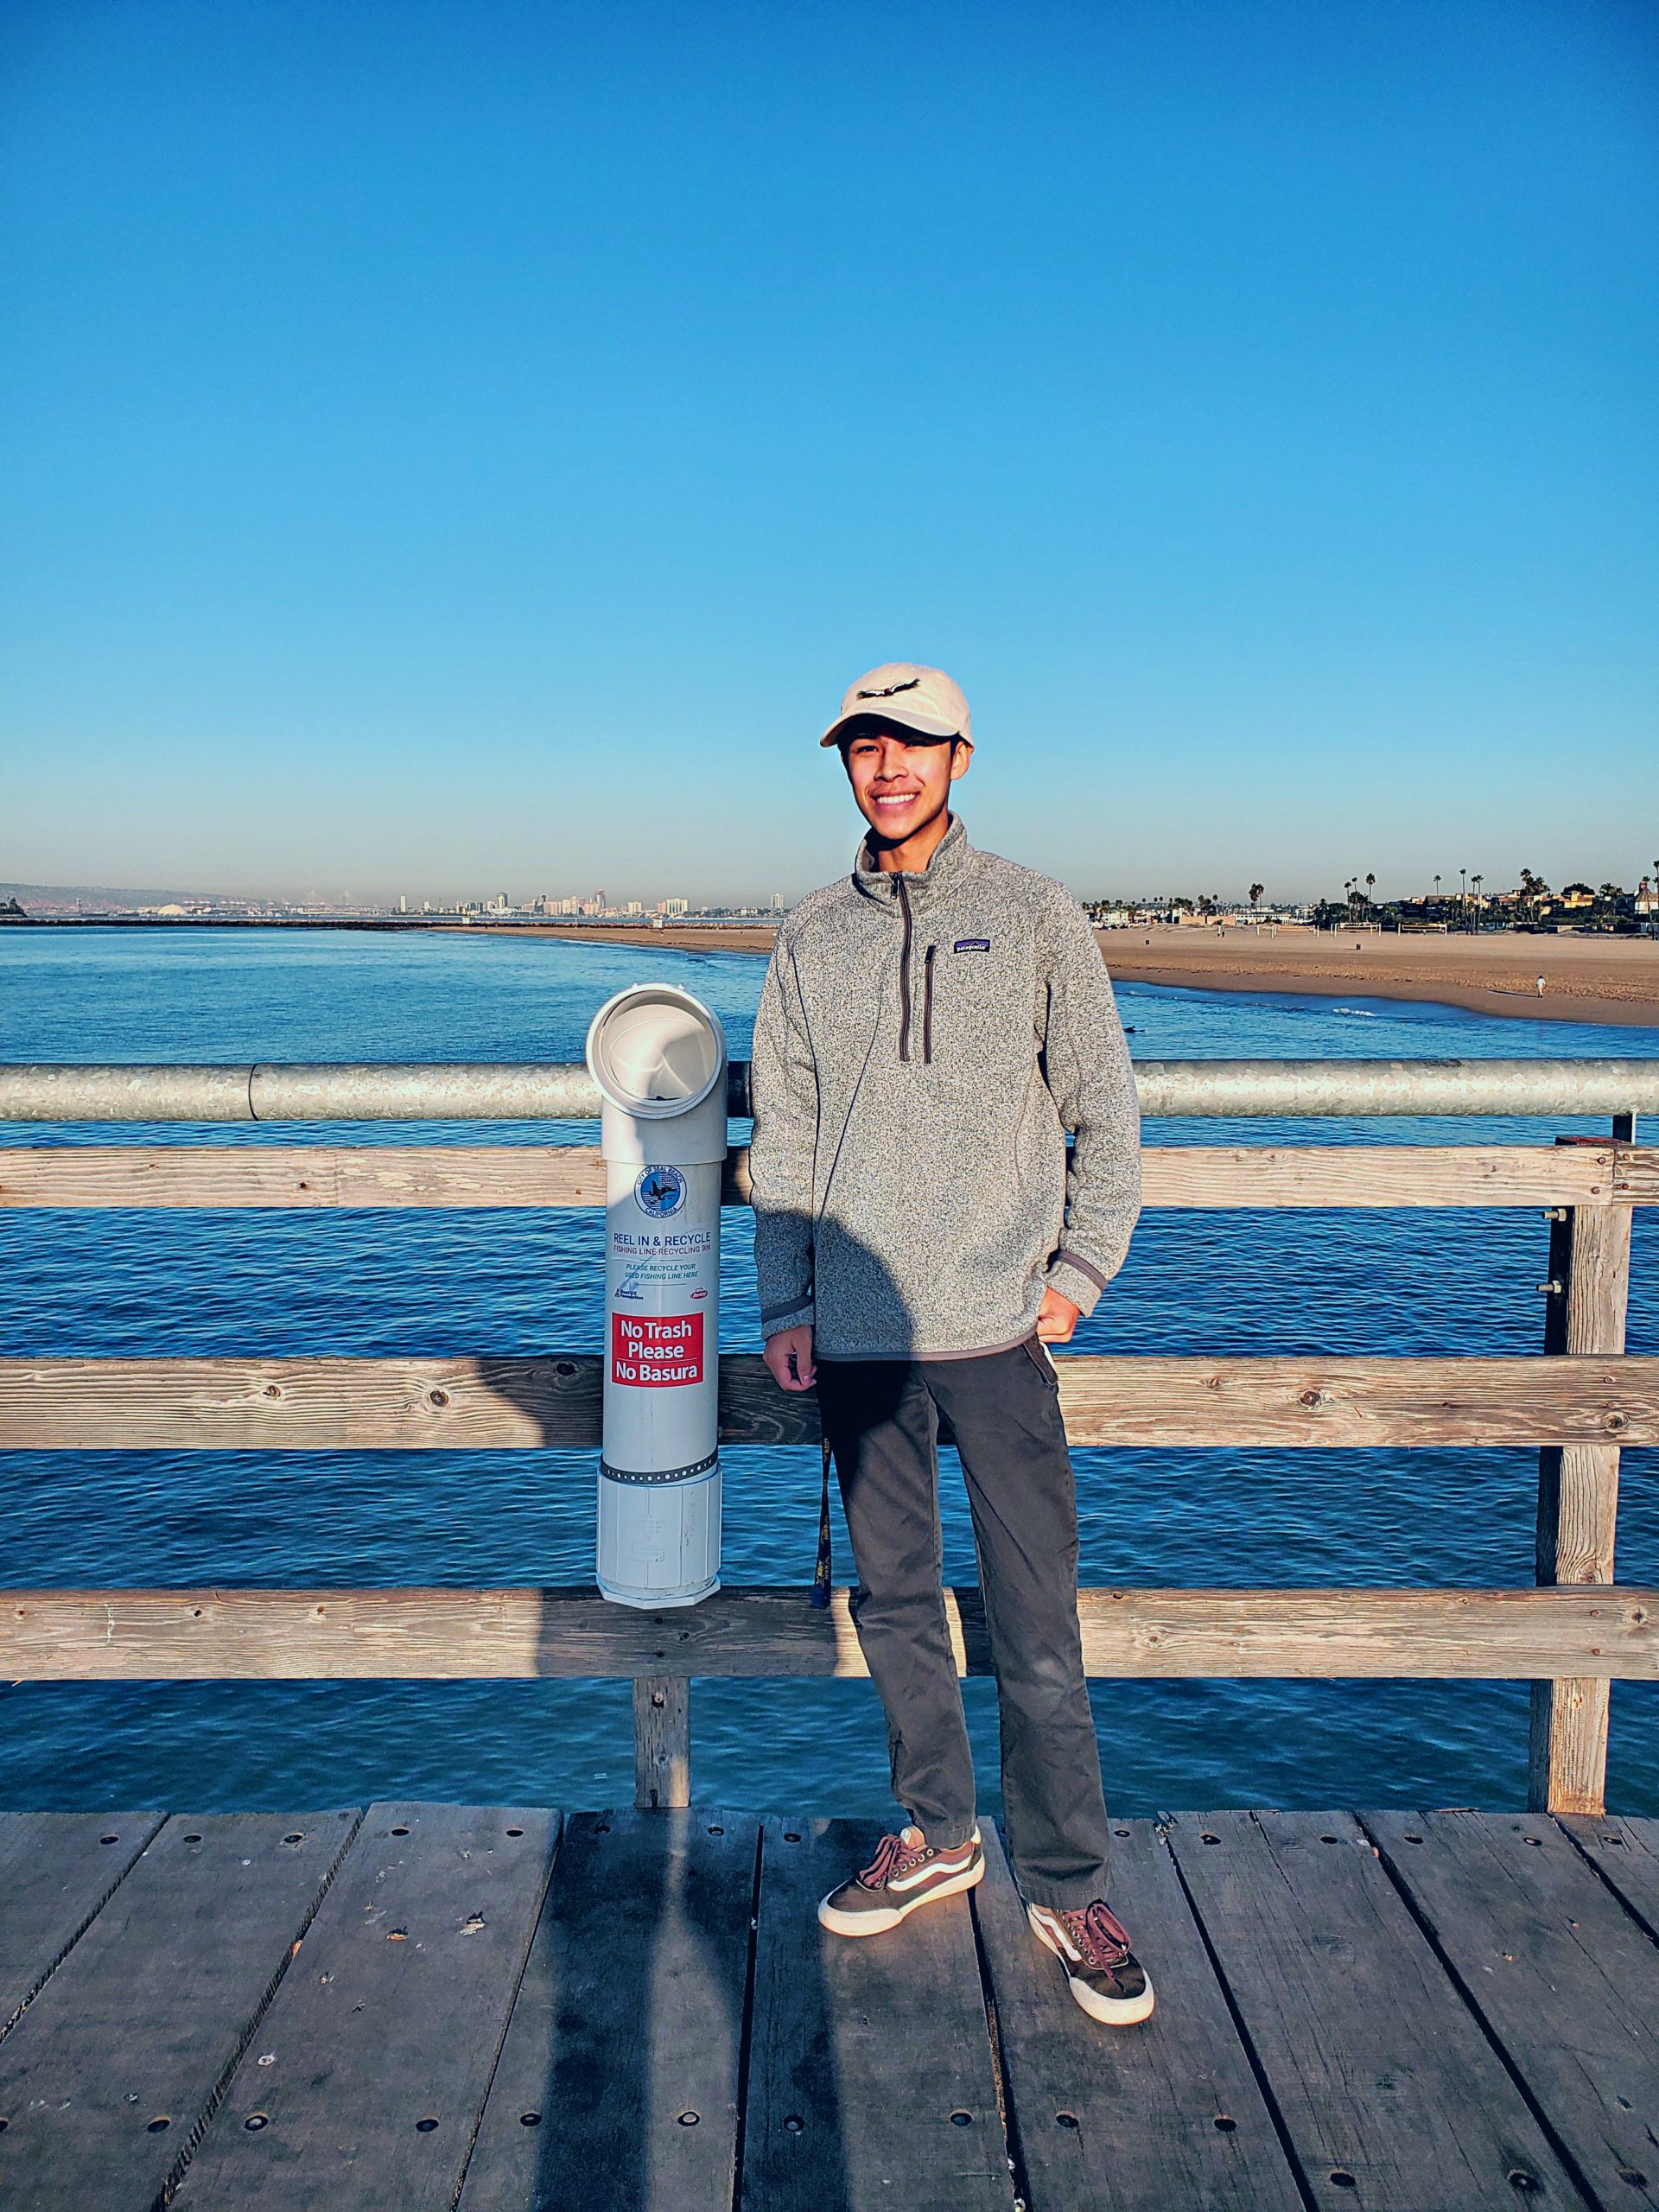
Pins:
<point x="1100" y="1934"/>
<point x="890" y="1856"/>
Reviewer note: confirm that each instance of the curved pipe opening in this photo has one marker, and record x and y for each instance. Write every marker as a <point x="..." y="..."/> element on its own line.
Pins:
<point x="655" y="1051"/>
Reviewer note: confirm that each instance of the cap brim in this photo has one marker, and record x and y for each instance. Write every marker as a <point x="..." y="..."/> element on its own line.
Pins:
<point x="924" y="725"/>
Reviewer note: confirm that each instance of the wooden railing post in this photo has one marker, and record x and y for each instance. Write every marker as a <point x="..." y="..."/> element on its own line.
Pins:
<point x="662" y="1741"/>
<point x="1578" y="1501"/>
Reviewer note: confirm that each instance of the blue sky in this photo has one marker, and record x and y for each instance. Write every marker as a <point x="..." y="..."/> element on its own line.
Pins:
<point x="449" y="447"/>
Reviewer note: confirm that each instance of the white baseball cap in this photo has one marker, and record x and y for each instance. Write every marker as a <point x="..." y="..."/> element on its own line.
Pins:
<point x="903" y="691"/>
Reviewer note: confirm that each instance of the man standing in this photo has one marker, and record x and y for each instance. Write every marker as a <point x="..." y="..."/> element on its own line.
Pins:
<point x="931" y="1028"/>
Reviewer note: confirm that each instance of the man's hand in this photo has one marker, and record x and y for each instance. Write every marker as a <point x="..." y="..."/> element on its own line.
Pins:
<point x="789" y="1357"/>
<point x="1056" y="1319"/>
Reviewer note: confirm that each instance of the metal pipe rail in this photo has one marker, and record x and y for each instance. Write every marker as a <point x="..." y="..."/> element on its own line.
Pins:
<point x="484" y="1091"/>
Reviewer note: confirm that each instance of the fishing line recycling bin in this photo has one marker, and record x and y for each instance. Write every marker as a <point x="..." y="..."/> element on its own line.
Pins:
<point x="658" y="1057"/>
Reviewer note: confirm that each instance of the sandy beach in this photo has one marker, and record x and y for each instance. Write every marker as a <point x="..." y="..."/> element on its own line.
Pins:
<point x="1612" y="980"/>
<point x="1585" y="979"/>
<point x="707" y="936"/>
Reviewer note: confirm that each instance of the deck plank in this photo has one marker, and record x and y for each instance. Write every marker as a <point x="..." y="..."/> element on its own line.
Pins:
<point x="862" y="2051"/>
<point x="622" y="2059"/>
<point x="369" y="2073"/>
<point x="1390" y="2095"/>
<point x="1564" y="1979"/>
<point x="1626" y="1852"/>
<point x="109" y="2073"/>
<point x="1379" y="2022"/>
<point x="56" y="1870"/>
<point x="1133" y="2119"/>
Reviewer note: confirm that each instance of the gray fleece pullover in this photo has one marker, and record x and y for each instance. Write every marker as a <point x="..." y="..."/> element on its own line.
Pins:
<point x="924" y="1043"/>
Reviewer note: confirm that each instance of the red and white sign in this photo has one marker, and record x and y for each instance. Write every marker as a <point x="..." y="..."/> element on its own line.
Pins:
<point x="653" y="1351"/>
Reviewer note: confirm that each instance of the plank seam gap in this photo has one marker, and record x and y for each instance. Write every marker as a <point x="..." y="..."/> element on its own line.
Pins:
<point x="203" y="2120"/>
<point x="506" y="2017"/>
<point x="1570" y="2166"/>
<point x="746" y="2032"/>
<point x="1007" y="2113"/>
<point x="52" y="1966"/>
<point x="1280" y="2127"/>
<point x="1648" y="1928"/>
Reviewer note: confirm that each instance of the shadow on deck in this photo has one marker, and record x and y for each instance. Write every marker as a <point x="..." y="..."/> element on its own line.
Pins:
<point x="428" y="2005"/>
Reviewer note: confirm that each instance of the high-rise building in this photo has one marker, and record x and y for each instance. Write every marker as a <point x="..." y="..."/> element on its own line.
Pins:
<point x="674" y="907"/>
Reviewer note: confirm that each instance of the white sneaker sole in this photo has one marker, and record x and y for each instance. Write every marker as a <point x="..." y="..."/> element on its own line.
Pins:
<point x="877" y="1923"/>
<point x="1114" y="2011"/>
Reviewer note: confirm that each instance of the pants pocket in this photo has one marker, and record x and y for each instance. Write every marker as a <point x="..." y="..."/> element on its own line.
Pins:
<point x="1037" y="1352"/>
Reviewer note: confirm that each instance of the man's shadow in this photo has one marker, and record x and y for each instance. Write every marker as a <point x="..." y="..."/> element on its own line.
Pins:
<point x="675" y="2029"/>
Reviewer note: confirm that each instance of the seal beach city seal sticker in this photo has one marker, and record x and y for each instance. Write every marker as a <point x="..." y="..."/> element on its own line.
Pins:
<point x="659" y="1192"/>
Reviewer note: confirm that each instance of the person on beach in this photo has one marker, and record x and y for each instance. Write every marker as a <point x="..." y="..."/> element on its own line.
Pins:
<point x="931" y="1027"/>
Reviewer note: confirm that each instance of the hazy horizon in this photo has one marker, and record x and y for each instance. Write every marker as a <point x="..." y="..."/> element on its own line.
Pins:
<point x="451" y="450"/>
<point x="726" y="895"/>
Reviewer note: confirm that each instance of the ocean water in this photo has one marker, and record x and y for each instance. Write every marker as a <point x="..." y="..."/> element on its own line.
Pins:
<point x="101" y="1283"/>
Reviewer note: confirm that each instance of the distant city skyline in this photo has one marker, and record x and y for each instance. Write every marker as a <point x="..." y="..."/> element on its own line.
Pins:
<point x="451" y="448"/>
<point x="1449" y="886"/>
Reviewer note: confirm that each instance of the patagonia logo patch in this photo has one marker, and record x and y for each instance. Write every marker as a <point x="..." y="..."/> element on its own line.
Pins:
<point x="972" y="944"/>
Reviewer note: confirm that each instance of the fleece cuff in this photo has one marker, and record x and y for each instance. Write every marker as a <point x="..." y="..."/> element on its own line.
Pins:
<point x="1076" y="1278"/>
<point x="773" y="1323"/>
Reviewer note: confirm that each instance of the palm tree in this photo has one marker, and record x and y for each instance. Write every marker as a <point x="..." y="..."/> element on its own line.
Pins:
<point x="1477" y="881"/>
<point x="1256" y="889"/>
<point x="1370" y="882"/>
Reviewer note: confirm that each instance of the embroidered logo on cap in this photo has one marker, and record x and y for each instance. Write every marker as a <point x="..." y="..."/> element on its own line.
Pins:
<point x="972" y="944"/>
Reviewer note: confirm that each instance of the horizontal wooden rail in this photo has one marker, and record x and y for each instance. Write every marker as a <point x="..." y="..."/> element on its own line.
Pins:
<point x="290" y="1635"/>
<point x="553" y="1403"/>
<point x="1195" y="1176"/>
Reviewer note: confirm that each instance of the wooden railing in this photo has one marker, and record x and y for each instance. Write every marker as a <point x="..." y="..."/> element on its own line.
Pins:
<point x="1579" y="1403"/>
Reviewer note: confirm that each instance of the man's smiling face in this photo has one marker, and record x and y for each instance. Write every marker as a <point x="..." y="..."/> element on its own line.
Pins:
<point x="901" y="782"/>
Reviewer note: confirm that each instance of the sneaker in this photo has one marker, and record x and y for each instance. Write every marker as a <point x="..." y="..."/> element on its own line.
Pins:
<point x="1103" y="1973"/>
<point x="906" y="1872"/>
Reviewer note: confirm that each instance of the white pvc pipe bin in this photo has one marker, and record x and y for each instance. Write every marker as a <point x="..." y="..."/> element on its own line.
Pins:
<point x="658" y="1057"/>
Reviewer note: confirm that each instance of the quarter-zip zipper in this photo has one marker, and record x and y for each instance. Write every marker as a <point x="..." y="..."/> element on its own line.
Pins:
<point x="927" y="1006"/>
<point x="903" y="977"/>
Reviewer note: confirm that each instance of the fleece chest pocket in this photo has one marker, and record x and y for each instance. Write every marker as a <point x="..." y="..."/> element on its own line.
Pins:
<point x="982" y="1011"/>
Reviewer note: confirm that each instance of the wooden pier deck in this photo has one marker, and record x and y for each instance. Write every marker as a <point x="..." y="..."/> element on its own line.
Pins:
<point x="422" y="2006"/>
